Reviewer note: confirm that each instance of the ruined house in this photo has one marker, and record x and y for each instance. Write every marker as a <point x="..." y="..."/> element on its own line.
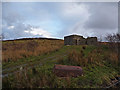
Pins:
<point x="79" y="40"/>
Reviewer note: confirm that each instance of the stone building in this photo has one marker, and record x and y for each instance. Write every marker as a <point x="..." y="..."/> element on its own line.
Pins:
<point x="91" y="41"/>
<point x="79" y="40"/>
<point x="74" y="40"/>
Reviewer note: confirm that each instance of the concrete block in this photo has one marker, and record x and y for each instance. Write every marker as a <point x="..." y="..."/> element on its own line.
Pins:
<point x="67" y="71"/>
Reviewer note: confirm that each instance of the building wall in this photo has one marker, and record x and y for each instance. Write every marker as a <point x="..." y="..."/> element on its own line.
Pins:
<point x="68" y="41"/>
<point x="92" y="41"/>
<point x="82" y="41"/>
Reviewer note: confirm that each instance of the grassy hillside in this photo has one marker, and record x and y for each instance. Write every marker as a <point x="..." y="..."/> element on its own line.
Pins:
<point x="17" y="49"/>
<point x="99" y="63"/>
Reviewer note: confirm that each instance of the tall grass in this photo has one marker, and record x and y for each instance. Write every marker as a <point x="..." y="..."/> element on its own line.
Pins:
<point x="14" y="50"/>
<point x="95" y="56"/>
<point x="28" y="79"/>
<point x="76" y="57"/>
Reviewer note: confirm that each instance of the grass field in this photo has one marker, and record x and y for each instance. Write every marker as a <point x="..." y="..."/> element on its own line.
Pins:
<point x="100" y="65"/>
<point x="12" y="51"/>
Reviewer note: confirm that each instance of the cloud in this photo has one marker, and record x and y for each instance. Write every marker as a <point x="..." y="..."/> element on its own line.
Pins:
<point x="73" y="11"/>
<point x="39" y="32"/>
<point x="14" y="26"/>
<point x="24" y="30"/>
<point x="59" y="19"/>
<point x="102" y="18"/>
<point x="74" y="16"/>
<point x="10" y="15"/>
<point x="11" y="27"/>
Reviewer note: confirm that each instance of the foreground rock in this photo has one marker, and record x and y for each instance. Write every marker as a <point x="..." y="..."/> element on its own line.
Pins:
<point x="67" y="71"/>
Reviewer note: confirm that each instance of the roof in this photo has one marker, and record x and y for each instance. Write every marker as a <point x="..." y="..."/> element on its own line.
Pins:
<point x="91" y="37"/>
<point x="74" y="36"/>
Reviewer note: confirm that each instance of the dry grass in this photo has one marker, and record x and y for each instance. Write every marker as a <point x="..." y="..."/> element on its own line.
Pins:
<point x="95" y="57"/>
<point x="14" y="50"/>
<point x="29" y="79"/>
<point x="97" y="71"/>
<point x="113" y="57"/>
<point x="77" y="57"/>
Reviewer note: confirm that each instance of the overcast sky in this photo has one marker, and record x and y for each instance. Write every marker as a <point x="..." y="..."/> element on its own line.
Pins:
<point x="56" y="20"/>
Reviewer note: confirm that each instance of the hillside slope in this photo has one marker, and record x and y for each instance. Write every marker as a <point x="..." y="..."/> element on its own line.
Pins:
<point x="99" y="63"/>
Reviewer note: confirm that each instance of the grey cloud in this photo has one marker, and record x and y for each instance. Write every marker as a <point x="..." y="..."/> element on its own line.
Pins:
<point x="9" y="16"/>
<point x="103" y="19"/>
<point x="13" y="18"/>
<point x="103" y="16"/>
<point x="17" y="31"/>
